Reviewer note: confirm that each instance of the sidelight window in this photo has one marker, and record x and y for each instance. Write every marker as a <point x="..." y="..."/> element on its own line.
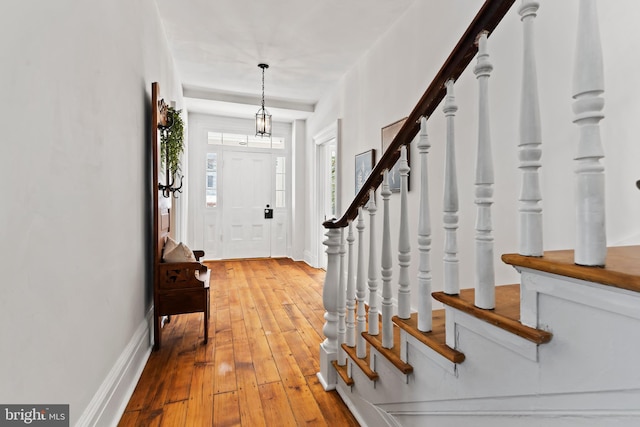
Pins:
<point x="280" y="182"/>
<point x="211" y="184"/>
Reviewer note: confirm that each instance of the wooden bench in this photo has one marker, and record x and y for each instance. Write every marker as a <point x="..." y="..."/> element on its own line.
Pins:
<point x="178" y="287"/>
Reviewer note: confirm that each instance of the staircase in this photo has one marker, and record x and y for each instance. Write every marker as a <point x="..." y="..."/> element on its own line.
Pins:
<point x="568" y="371"/>
<point x="552" y="350"/>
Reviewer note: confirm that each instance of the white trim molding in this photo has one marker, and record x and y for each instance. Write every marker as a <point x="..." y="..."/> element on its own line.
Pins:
<point x="329" y="135"/>
<point x="109" y="402"/>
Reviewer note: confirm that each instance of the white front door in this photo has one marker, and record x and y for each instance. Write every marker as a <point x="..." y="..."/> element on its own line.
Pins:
<point x="247" y="192"/>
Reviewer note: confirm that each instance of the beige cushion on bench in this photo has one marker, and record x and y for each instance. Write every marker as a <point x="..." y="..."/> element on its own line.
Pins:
<point x="179" y="253"/>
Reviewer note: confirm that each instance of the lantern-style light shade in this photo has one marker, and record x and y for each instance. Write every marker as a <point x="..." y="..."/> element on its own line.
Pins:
<point x="263" y="122"/>
<point x="263" y="118"/>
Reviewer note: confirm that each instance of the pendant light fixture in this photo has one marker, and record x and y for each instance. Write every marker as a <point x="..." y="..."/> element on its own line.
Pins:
<point x="263" y="118"/>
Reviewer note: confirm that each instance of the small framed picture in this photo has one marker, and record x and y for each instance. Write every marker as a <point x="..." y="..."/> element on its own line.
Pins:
<point x="388" y="133"/>
<point x="364" y="166"/>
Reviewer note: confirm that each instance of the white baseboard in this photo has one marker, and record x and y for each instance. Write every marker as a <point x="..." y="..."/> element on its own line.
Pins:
<point x="111" y="399"/>
<point x="310" y="259"/>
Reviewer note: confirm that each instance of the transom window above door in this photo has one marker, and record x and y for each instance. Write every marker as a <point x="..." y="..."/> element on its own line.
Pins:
<point x="240" y="140"/>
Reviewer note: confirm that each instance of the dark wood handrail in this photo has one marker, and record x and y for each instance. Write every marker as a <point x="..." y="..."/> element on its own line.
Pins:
<point x="487" y="19"/>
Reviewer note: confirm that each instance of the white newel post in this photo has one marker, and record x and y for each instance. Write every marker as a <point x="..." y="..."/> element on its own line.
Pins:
<point x="485" y="274"/>
<point x="424" y="235"/>
<point x="530" y="209"/>
<point x="450" y="203"/>
<point x="329" y="347"/>
<point x="588" y="86"/>
<point x="342" y="303"/>
<point x="372" y="315"/>
<point x="387" y="265"/>
<point x="351" y="291"/>
<point x="404" y="244"/>
<point x="361" y="289"/>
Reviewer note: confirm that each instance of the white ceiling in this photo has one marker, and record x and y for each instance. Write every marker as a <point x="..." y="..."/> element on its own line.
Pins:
<point x="308" y="44"/>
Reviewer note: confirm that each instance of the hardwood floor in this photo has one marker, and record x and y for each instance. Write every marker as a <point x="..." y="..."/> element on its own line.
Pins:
<point x="259" y="367"/>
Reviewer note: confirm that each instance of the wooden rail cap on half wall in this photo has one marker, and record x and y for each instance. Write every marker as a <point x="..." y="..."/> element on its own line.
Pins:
<point x="622" y="268"/>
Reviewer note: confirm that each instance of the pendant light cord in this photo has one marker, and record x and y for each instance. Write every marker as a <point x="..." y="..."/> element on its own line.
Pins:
<point x="263" y="66"/>
<point x="263" y="88"/>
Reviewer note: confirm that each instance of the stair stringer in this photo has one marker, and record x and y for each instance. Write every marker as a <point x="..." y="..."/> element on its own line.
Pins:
<point x="586" y="375"/>
<point x="553" y="410"/>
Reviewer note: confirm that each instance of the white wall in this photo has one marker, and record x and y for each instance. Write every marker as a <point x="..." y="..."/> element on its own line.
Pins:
<point x="386" y="83"/>
<point x="75" y="220"/>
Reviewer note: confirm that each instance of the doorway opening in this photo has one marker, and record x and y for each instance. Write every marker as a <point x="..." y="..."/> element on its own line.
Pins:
<point x="245" y="211"/>
<point x="327" y="201"/>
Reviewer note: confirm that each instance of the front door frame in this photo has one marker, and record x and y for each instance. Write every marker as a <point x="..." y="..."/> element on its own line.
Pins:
<point x="197" y="222"/>
<point x="327" y="137"/>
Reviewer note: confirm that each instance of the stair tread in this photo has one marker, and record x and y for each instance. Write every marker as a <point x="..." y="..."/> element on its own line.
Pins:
<point x="342" y="371"/>
<point x="506" y="315"/>
<point x="363" y="364"/>
<point x="435" y="339"/>
<point x="621" y="270"/>
<point x="392" y="354"/>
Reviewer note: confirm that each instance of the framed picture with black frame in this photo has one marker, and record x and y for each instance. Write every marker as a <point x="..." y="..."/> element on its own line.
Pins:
<point x="364" y="166"/>
<point x="387" y="134"/>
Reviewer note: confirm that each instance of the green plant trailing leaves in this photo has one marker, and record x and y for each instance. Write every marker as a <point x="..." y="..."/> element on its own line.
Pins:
<point x="172" y="142"/>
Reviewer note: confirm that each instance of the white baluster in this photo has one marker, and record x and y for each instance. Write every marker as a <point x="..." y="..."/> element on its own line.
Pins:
<point x="588" y="86"/>
<point x="361" y="316"/>
<point x="329" y="347"/>
<point x="404" y="244"/>
<point x="351" y="291"/>
<point x="372" y="318"/>
<point x="387" y="265"/>
<point x="530" y="228"/>
<point x="424" y="235"/>
<point x="342" y="302"/>
<point x="485" y="275"/>
<point x="450" y="203"/>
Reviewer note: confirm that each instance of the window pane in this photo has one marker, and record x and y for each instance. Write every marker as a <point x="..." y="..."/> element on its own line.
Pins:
<point x="280" y="183"/>
<point x="212" y="199"/>
<point x="211" y="186"/>
<point x="333" y="182"/>
<point x="214" y="138"/>
<point x="259" y="142"/>
<point x="240" y="140"/>
<point x="211" y="161"/>
<point x="234" y="139"/>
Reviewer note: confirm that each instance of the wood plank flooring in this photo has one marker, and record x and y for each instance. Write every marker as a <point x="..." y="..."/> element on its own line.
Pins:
<point x="259" y="367"/>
